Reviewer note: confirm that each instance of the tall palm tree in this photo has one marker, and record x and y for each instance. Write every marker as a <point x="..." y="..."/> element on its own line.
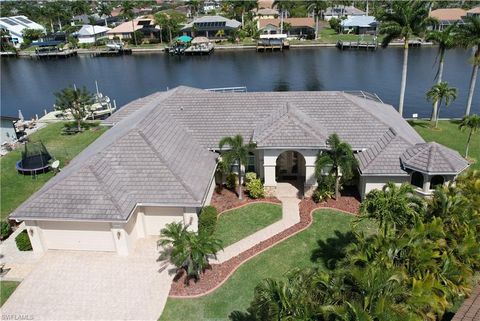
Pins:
<point x="407" y="19"/>
<point x="440" y="92"/>
<point x="317" y="6"/>
<point x="237" y="152"/>
<point x="339" y="158"/>
<point x="469" y="37"/>
<point x="445" y="39"/>
<point x="127" y="12"/>
<point x="283" y="6"/>
<point x="472" y="122"/>
<point x="75" y="101"/>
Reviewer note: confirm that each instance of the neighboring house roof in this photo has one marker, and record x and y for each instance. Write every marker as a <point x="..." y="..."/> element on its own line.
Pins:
<point x="265" y="12"/>
<point x="470" y="309"/>
<point x="213" y="21"/>
<point x="294" y="22"/>
<point x="448" y="14"/>
<point x="475" y="10"/>
<point x="359" y="21"/>
<point x="433" y="158"/>
<point x="89" y="30"/>
<point x="16" y="24"/>
<point x="265" y="3"/>
<point x="343" y="10"/>
<point x="127" y="27"/>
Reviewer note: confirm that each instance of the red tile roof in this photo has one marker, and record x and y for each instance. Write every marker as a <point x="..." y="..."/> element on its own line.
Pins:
<point x="294" y="22"/>
<point x="449" y="14"/>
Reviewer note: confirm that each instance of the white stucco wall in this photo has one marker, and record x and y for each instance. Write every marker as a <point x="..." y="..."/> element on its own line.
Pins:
<point x="368" y="183"/>
<point x="157" y="217"/>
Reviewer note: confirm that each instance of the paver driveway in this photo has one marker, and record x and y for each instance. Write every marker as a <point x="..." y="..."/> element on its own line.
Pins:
<point x="76" y="285"/>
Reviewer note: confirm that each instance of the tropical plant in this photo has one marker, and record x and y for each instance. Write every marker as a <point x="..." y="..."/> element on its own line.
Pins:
<point x="5" y="230"/>
<point x="394" y="207"/>
<point x="187" y="250"/>
<point x="469" y="37"/>
<point x="171" y="21"/>
<point x="445" y="39"/>
<point x="128" y="13"/>
<point x="237" y="153"/>
<point x="471" y="122"/>
<point x="30" y="35"/>
<point x="23" y="241"/>
<point x="282" y="6"/>
<point x="406" y="20"/>
<point x="338" y="159"/>
<point x="240" y="7"/>
<point x="74" y="101"/>
<point x="207" y="220"/>
<point x="104" y="9"/>
<point x="440" y="92"/>
<point x="317" y="7"/>
<point x="255" y="188"/>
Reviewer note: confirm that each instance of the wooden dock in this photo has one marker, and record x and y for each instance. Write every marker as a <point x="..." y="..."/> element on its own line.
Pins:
<point x="343" y="45"/>
<point x="272" y="46"/>
<point x="110" y="53"/>
<point x="55" y="54"/>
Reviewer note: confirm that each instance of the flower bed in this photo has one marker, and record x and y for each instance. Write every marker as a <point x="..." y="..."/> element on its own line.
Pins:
<point x="225" y="199"/>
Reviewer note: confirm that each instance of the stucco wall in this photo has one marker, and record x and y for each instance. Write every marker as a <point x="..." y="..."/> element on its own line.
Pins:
<point x="157" y="217"/>
<point x="368" y="183"/>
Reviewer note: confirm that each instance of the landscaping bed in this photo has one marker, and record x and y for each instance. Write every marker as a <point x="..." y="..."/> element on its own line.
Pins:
<point x="224" y="199"/>
<point x="217" y="274"/>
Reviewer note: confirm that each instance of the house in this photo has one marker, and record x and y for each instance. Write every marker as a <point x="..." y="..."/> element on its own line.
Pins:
<point x="448" y="16"/>
<point x="475" y="12"/>
<point x="145" y="25"/>
<point x="211" y="27"/>
<point x="265" y="13"/>
<point x="359" y="25"/>
<point x="291" y="26"/>
<point x="15" y="26"/>
<point x="342" y="11"/>
<point x="8" y="131"/>
<point x="157" y="163"/>
<point x="89" y="33"/>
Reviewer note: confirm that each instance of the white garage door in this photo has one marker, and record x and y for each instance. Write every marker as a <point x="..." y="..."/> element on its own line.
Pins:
<point x="157" y="217"/>
<point x="77" y="236"/>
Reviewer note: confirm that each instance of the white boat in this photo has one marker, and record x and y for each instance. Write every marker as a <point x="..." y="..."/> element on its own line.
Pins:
<point x="113" y="45"/>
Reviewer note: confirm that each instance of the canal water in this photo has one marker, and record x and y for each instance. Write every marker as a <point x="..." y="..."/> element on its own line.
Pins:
<point x="29" y="84"/>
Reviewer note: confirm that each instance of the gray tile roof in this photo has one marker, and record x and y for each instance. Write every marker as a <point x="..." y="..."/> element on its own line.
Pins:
<point x="433" y="158"/>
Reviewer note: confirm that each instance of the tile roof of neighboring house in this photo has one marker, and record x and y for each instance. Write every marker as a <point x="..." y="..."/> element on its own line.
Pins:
<point x="265" y="3"/>
<point x="448" y="14"/>
<point x="294" y="22"/>
<point x="157" y="151"/>
<point x="433" y="158"/>
<point x="345" y="10"/>
<point x="265" y="12"/>
<point x="127" y="27"/>
<point x="16" y="24"/>
<point x="474" y="10"/>
<point x="470" y="309"/>
<point x="88" y="30"/>
<point x="359" y="21"/>
<point x="231" y="23"/>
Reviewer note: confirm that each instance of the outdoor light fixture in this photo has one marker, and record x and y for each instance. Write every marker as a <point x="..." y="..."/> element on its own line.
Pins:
<point x="119" y="234"/>
<point x="31" y="232"/>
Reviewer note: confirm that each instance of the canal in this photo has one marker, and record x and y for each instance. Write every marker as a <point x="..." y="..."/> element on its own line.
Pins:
<point x="28" y="84"/>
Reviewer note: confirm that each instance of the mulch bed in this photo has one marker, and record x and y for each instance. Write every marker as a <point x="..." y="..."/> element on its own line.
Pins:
<point x="217" y="274"/>
<point x="224" y="199"/>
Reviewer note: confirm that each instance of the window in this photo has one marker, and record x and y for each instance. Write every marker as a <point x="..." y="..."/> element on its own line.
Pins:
<point x="417" y="179"/>
<point x="251" y="163"/>
<point x="436" y="180"/>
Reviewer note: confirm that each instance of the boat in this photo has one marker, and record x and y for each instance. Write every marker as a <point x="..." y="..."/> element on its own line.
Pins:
<point x="114" y="45"/>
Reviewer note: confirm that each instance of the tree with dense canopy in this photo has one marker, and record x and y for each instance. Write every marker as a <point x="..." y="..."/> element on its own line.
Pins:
<point x="440" y="92"/>
<point x="76" y="101"/>
<point x="170" y="20"/>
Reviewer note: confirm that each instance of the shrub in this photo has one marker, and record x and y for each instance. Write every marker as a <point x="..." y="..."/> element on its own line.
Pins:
<point x="84" y="124"/>
<point x="231" y="181"/>
<point x="249" y="176"/>
<point x="255" y="188"/>
<point x="334" y="24"/>
<point x="5" y="230"/>
<point x="23" y="241"/>
<point x="322" y="195"/>
<point x="207" y="221"/>
<point x="325" y="189"/>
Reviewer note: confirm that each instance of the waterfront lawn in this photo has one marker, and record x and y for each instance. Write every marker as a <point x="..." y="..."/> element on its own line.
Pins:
<point x="6" y="290"/>
<point x="234" y="225"/>
<point x="330" y="228"/>
<point x="449" y="135"/>
<point x="16" y="188"/>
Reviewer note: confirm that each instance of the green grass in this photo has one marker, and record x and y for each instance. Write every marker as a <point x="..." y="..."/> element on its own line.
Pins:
<point x="6" y="290"/>
<point x="330" y="228"/>
<point x="449" y="135"/>
<point x="237" y="224"/>
<point x="16" y="188"/>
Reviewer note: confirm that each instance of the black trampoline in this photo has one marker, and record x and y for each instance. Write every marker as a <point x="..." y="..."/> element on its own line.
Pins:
<point x="35" y="159"/>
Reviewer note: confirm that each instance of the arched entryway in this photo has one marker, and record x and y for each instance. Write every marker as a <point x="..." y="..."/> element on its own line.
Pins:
<point x="417" y="179"/>
<point x="290" y="167"/>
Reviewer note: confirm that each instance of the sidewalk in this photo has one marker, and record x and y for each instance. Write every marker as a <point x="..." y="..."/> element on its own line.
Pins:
<point x="288" y="195"/>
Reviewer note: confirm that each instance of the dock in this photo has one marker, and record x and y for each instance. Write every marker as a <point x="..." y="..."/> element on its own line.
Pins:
<point x="8" y="54"/>
<point x="110" y="53"/>
<point x="343" y="45"/>
<point x="55" y="53"/>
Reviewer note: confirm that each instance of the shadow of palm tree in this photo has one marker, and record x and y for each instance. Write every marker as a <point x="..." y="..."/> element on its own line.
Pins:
<point x="332" y="249"/>
<point x="241" y="316"/>
<point x="423" y="124"/>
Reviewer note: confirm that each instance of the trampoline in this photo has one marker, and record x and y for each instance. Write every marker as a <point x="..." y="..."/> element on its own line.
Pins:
<point x="35" y="159"/>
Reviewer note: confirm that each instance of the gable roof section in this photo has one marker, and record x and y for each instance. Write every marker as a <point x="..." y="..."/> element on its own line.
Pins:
<point x="89" y="30"/>
<point x="288" y="127"/>
<point x="433" y="158"/>
<point x="448" y="14"/>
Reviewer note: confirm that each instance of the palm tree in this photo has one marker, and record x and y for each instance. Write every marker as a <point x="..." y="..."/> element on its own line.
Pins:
<point x="237" y="152"/>
<point x="339" y="158"/>
<point x="283" y="6"/>
<point x="408" y="19"/>
<point x="472" y="122"/>
<point x="469" y="37"/>
<point x="440" y="92"/>
<point x="127" y="12"/>
<point x="317" y="6"/>
<point x="187" y="250"/>
<point x="392" y="207"/>
<point x="105" y="10"/>
<point x="445" y="40"/>
<point x="75" y="101"/>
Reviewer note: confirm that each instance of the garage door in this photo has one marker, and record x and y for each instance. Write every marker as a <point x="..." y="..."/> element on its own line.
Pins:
<point x="157" y="217"/>
<point x="77" y="236"/>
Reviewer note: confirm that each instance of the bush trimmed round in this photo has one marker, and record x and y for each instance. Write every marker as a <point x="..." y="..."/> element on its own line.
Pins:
<point x="23" y="241"/>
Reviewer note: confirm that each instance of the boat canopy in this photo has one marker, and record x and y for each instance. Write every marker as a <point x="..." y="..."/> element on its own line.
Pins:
<point x="184" y="39"/>
<point x="200" y="40"/>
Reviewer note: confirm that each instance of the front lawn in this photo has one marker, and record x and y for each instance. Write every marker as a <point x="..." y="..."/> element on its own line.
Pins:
<point x="16" y="188"/>
<point x="449" y="135"/>
<point x="237" y="224"/>
<point x="330" y="228"/>
<point x="6" y="290"/>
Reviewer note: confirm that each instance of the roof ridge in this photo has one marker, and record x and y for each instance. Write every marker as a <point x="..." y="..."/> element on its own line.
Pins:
<point x="442" y="152"/>
<point x="389" y="141"/>
<point x="149" y="143"/>
<point x="303" y="119"/>
<point x="104" y="188"/>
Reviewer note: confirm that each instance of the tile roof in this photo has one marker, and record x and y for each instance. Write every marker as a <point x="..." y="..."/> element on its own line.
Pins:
<point x="89" y="30"/>
<point x="448" y="14"/>
<point x="294" y="22"/>
<point x="127" y="26"/>
<point x="231" y="23"/>
<point x="470" y="309"/>
<point x="474" y="10"/>
<point x="346" y="10"/>
<point x="433" y="158"/>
